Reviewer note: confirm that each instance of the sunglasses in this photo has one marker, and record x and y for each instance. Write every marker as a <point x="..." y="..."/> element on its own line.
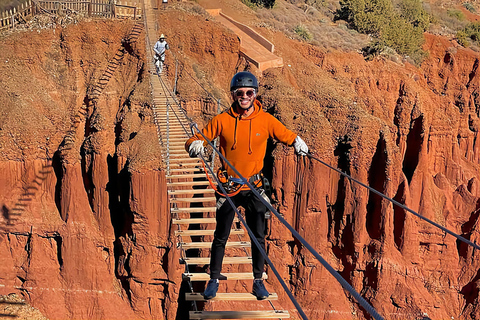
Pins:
<point x="240" y="93"/>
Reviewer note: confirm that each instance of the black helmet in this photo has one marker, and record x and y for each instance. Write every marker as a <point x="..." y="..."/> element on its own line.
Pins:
<point x="243" y="79"/>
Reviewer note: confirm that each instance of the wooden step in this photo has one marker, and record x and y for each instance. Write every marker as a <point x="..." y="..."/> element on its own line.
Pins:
<point x="179" y="147"/>
<point x="203" y="276"/>
<point x="190" y="164"/>
<point x="202" y="209"/>
<point x="189" y="183"/>
<point x="186" y="170"/>
<point x="180" y="165"/>
<point x="226" y="260"/>
<point x="204" y="232"/>
<point x="267" y="314"/>
<point x="197" y="220"/>
<point x="195" y="296"/>
<point x="191" y="191"/>
<point x="207" y="245"/>
<point x="172" y="130"/>
<point x="187" y="175"/>
<point x="193" y="200"/>
<point x="187" y="160"/>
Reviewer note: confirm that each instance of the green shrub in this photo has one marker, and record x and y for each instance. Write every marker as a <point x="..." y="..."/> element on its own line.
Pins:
<point x="250" y="4"/>
<point x="462" y="39"/>
<point x="400" y="28"/>
<point x="471" y="31"/>
<point x="254" y="4"/>
<point x="303" y="32"/>
<point x="456" y="14"/>
<point x="414" y="13"/>
<point x="469" y="7"/>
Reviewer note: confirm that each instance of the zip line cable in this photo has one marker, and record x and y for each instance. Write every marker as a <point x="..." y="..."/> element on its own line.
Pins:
<point x="252" y="237"/>
<point x="459" y="237"/>
<point x="330" y="269"/>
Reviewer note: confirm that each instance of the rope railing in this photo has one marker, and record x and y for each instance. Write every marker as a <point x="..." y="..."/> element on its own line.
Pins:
<point x="294" y="232"/>
<point x="459" y="237"/>
<point x="252" y="237"/>
<point x="332" y="271"/>
<point x="339" y="278"/>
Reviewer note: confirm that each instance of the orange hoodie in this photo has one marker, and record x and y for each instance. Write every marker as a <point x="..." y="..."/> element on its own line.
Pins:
<point x="243" y="141"/>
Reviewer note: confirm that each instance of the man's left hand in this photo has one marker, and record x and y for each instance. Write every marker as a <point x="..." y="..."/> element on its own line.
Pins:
<point x="300" y="146"/>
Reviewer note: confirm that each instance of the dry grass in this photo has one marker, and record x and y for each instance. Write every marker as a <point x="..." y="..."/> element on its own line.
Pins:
<point x="13" y="306"/>
<point x="287" y="17"/>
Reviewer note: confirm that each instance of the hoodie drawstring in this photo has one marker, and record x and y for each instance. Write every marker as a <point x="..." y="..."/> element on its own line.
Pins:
<point x="250" y="138"/>
<point x="234" y="146"/>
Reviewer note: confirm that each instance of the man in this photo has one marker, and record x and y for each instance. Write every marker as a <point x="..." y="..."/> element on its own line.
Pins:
<point x="160" y="46"/>
<point x="243" y="130"/>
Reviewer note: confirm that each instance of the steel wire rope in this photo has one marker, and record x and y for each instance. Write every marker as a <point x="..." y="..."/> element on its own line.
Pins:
<point x="330" y="269"/>
<point x="182" y="251"/>
<point x="459" y="237"/>
<point x="339" y="278"/>
<point x="168" y="94"/>
<point x="255" y="241"/>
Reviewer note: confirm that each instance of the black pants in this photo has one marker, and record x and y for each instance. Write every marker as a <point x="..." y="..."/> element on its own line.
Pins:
<point x="255" y="217"/>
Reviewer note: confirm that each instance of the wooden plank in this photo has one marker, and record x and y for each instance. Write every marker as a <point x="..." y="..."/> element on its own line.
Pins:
<point x="194" y="200"/>
<point x="187" y="175"/>
<point x="203" y="276"/>
<point x="226" y="260"/>
<point x="205" y="232"/>
<point x="189" y="183"/>
<point x="202" y="209"/>
<point x="187" y="170"/>
<point x="197" y="220"/>
<point x="206" y="245"/>
<point x="267" y="314"/>
<point x="187" y="160"/>
<point x="191" y="191"/>
<point x="195" y="296"/>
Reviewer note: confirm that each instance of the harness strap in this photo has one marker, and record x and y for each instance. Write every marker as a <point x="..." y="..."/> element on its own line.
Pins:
<point x="256" y="180"/>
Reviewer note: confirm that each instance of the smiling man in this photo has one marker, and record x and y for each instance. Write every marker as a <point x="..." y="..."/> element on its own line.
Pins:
<point x="243" y="130"/>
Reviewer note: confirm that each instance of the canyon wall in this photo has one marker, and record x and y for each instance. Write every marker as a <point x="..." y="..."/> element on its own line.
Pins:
<point x="85" y="224"/>
<point x="85" y="220"/>
<point x="408" y="132"/>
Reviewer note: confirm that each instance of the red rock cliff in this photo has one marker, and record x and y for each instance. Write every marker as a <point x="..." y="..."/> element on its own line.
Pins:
<point x="92" y="229"/>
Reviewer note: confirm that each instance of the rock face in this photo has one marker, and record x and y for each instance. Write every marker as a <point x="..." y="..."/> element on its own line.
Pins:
<point x="80" y="237"/>
<point x="408" y="132"/>
<point x="85" y="224"/>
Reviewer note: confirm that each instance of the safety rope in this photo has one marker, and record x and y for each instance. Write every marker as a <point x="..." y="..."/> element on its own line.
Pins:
<point x="330" y="269"/>
<point x="459" y="237"/>
<point x="264" y="254"/>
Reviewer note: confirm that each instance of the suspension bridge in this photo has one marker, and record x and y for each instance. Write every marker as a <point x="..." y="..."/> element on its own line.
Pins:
<point x="192" y="201"/>
<point x="192" y="205"/>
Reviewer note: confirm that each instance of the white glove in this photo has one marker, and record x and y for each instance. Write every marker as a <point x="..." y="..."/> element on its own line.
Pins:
<point x="196" y="148"/>
<point x="300" y="146"/>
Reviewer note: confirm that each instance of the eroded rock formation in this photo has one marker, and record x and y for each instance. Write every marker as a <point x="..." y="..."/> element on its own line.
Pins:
<point x="84" y="190"/>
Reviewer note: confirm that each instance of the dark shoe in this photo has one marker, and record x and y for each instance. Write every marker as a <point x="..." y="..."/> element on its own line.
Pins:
<point x="211" y="289"/>
<point x="259" y="290"/>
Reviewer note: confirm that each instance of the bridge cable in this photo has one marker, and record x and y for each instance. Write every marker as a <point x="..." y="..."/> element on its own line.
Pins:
<point x="330" y="269"/>
<point x="252" y="237"/>
<point x="335" y="273"/>
<point x="459" y="237"/>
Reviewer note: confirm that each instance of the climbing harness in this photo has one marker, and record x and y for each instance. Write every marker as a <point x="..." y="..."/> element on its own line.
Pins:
<point x="232" y="185"/>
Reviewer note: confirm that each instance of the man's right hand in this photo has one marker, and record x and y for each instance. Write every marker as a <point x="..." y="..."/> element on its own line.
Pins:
<point x="196" y="149"/>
